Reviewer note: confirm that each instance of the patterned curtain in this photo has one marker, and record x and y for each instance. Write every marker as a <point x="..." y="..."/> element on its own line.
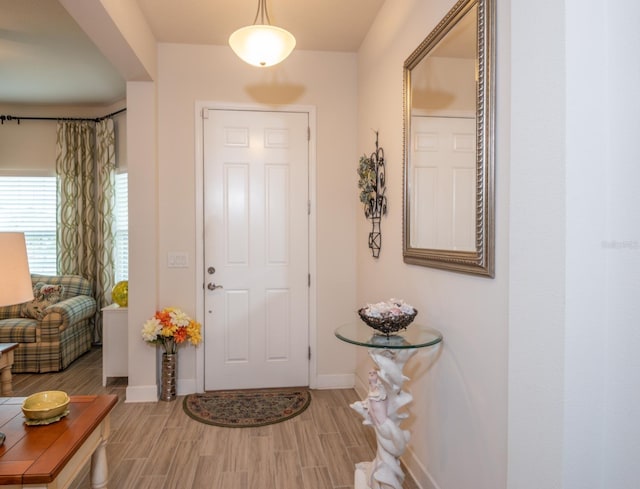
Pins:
<point x="85" y="165"/>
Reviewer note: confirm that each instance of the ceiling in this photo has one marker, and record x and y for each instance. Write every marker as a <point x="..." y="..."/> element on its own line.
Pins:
<point x="45" y="57"/>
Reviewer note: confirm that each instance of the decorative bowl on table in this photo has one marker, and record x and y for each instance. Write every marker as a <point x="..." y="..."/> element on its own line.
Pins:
<point x="47" y="405"/>
<point x="388" y="317"/>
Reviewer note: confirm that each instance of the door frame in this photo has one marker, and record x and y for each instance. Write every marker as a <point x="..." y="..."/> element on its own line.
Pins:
<point x="310" y="110"/>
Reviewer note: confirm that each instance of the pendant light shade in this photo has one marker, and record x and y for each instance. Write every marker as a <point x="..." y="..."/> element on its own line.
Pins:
<point x="262" y="44"/>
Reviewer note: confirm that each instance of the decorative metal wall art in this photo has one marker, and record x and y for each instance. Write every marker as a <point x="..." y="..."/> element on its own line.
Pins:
<point x="372" y="188"/>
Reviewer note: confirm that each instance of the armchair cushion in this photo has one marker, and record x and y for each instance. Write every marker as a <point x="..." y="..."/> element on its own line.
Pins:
<point x="18" y="330"/>
<point x="43" y="296"/>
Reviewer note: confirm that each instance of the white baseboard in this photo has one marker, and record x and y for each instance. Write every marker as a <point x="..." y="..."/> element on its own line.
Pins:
<point x="185" y="387"/>
<point x="362" y="388"/>
<point x="142" y="393"/>
<point x="418" y="471"/>
<point x="337" y="381"/>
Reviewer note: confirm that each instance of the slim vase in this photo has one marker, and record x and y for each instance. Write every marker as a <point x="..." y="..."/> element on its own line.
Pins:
<point x="168" y="390"/>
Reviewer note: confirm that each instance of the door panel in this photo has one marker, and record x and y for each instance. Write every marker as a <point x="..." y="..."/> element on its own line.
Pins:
<point x="444" y="182"/>
<point x="256" y="239"/>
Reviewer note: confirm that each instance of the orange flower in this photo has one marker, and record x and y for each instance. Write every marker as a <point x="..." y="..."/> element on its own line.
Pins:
<point x="164" y="317"/>
<point x="180" y="335"/>
<point x="169" y="327"/>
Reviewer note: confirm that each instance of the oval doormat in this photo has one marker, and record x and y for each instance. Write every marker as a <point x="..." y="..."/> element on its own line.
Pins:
<point x="246" y="408"/>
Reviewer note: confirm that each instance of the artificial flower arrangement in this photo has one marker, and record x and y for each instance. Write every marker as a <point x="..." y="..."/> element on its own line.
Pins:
<point x="170" y="327"/>
<point x="372" y="185"/>
<point x="371" y="182"/>
<point x="388" y="316"/>
<point x="367" y="182"/>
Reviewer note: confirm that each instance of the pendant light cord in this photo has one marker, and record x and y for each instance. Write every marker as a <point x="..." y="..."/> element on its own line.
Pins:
<point x="262" y="13"/>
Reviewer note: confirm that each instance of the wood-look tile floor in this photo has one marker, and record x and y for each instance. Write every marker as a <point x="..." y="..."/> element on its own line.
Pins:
<point x="156" y="445"/>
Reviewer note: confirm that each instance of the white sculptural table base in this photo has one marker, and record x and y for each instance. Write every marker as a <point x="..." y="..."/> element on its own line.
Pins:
<point x="381" y="408"/>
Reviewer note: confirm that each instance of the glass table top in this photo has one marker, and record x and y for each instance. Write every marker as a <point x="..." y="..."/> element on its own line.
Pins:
<point x="415" y="336"/>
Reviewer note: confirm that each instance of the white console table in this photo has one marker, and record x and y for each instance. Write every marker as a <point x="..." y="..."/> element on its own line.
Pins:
<point x="115" y="351"/>
<point x="381" y="408"/>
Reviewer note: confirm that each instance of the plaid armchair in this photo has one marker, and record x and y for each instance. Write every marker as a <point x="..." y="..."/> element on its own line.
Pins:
<point x="59" y="334"/>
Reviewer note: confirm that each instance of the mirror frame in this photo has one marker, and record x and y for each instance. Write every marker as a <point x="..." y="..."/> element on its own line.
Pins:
<point x="480" y="261"/>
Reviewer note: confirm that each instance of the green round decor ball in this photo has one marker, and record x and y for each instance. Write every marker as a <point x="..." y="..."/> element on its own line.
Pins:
<point x="120" y="293"/>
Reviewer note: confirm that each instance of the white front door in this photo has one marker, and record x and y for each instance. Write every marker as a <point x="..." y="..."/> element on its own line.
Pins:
<point x="256" y="250"/>
<point x="443" y="202"/>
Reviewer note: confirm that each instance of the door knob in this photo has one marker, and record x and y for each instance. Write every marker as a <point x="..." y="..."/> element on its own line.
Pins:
<point x="212" y="286"/>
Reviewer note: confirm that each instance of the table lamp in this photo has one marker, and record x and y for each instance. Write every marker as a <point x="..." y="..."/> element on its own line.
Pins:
<point x="15" y="279"/>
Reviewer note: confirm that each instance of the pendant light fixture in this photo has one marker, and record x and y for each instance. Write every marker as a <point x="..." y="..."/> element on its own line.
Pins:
<point x="262" y="44"/>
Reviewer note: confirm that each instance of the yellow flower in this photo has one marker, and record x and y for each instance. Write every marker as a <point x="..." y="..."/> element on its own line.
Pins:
<point x="193" y="332"/>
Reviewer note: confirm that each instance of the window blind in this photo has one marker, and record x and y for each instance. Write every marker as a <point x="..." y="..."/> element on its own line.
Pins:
<point x="28" y="204"/>
<point x="121" y="228"/>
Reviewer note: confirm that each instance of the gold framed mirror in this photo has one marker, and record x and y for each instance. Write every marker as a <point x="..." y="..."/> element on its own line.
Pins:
<point x="448" y="194"/>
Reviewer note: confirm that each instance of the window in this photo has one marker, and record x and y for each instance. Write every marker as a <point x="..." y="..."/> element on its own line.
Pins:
<point x="121" y="228"/>
<point x="28" y="204"/>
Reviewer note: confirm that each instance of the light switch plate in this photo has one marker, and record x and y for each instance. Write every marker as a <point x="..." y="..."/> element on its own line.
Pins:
<point x="177" y="259"/>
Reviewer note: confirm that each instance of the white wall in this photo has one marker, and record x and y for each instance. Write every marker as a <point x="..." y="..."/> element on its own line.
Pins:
<point x="452" y="91"/>
<point x="188" y="74"/>
<point x="143" y="236"/>
<point x="460" y="390"/>
<point x="616" y="135"/>
<point x="537" y="246"/>
<point x="121" y="32"/>
<point x="586" y="204"/>
<point x="574" y="368"/>
<point x="31" y="145"/>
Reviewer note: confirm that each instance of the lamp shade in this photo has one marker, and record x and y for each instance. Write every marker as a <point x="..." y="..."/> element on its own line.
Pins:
<point x="262" y="44"/>
<point x="15" y="279"/>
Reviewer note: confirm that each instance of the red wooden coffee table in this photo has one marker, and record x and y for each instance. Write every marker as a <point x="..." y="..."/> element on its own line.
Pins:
<point x="6" y="362"/>
<point x="51" y="456"/>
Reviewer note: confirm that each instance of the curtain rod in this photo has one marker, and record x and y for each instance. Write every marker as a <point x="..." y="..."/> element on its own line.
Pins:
<point x="9" y="118"/>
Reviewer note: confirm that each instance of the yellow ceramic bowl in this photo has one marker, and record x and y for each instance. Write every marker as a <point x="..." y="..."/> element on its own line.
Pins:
<point x="45" y="405"/>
